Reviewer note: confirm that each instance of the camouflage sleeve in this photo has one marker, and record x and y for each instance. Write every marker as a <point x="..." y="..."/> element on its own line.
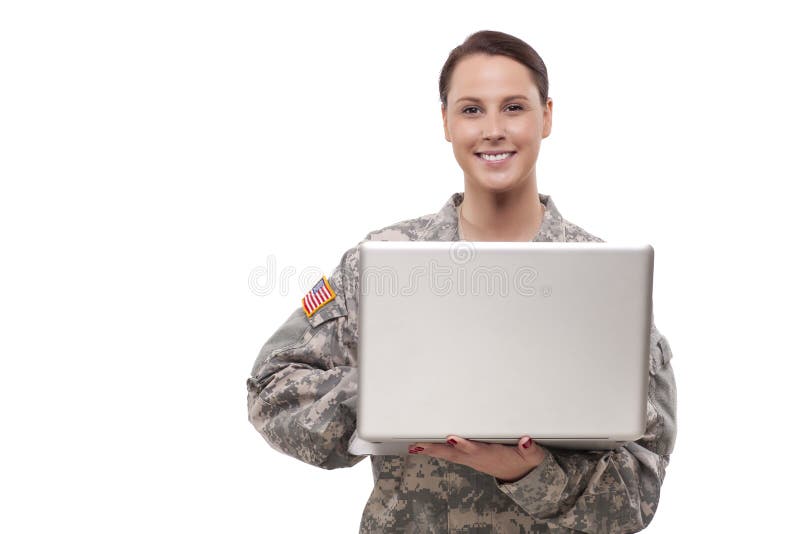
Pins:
<point x="608" y="491"/>
<point x="302" y="389"/>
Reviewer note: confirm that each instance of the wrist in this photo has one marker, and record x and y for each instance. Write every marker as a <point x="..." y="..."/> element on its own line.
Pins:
<point x="536" y="460"/>
<point x="515" y="479"/>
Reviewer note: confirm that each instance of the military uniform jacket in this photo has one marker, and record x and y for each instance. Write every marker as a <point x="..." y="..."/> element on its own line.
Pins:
<point x="302" y="400"/>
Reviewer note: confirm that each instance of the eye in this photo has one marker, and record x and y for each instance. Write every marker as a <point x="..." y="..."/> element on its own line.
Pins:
<point x="466" y="111"/>
<point x="517" y="106"/>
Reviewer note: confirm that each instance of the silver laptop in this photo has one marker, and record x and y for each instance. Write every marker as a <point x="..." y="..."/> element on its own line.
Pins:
<point x="496" y="340"/>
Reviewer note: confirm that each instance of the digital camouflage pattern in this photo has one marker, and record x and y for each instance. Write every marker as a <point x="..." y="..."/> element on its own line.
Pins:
<point x="302" y="400"/>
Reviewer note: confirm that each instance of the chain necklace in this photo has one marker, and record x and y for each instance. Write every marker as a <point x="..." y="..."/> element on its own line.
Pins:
<point x="542" y="210"/>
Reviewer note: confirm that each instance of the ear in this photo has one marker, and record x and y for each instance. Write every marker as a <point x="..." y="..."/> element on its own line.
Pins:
<point x="444" y="124"/>
<point x="548" y="118"/>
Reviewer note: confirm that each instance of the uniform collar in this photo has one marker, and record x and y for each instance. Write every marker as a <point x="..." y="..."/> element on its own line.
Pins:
<point x="444" y="225"/>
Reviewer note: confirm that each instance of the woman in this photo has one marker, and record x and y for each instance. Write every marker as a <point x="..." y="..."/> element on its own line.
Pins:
<point x="302" y="391"/>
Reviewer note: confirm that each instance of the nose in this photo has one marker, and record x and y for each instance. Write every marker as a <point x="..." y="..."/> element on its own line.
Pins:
<point x="493" y="127"/>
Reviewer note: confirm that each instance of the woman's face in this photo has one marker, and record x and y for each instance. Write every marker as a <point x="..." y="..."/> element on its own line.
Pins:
<point x="493" y="107"/>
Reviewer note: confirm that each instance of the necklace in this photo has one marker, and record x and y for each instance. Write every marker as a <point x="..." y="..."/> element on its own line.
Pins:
<point x="542" y="210"/>
<point x="460" y="225"/>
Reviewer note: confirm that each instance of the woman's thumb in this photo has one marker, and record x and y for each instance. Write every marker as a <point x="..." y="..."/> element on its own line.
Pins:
<point x="530" y="450"/>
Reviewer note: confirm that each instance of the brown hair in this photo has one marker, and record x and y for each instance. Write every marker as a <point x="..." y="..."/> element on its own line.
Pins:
<point x="495" y="44"/>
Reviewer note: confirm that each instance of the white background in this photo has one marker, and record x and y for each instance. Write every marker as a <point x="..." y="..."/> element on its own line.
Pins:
<point x="154" y="153"/>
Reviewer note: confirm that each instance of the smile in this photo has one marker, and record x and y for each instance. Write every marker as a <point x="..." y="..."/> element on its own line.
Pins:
<point x="495" y="157"/>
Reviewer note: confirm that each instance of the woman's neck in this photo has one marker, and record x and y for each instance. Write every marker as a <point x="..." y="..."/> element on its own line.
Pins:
<point x="509" y="216"/>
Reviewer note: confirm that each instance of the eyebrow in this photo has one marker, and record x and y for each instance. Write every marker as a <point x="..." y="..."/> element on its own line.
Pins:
<point x="506" y="99"/>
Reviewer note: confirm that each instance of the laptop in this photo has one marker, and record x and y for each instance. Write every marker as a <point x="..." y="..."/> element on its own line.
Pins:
<point x="492" y="341"/>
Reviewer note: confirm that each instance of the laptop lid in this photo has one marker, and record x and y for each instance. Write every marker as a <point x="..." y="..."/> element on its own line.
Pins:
<point x="495" y="340"/>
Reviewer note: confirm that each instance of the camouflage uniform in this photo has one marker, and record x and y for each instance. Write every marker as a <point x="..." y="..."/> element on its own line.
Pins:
<point x="302" y="400"/>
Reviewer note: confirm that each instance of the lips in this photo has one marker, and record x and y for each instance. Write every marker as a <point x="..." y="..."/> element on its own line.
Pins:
<point x="495" y="157"/>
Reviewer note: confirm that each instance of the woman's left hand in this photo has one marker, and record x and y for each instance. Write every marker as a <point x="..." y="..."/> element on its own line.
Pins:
<point x="507" y="463"/>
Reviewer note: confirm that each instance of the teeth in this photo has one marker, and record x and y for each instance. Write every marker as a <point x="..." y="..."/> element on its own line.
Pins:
<point x="495" y="157"/>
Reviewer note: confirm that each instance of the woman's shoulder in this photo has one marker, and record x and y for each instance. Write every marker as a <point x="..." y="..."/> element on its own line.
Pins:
<point x="405" y="230"/>
<point x="573" y="232"/>
<point x="345" y="275"/>
<point x="557" y="228"/>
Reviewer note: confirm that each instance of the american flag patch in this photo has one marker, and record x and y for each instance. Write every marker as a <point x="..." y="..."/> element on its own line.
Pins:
<point x="321" y="294"/>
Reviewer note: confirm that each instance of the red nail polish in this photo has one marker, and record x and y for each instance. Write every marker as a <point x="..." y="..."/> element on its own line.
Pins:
<point x="527" y="444"/>
<point x="451" y="441"/>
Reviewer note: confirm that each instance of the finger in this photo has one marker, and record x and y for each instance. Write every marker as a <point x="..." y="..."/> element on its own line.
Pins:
<point x="418" y="447"/>
<point x="414" y="448"/>
<point x="530" y="450"/>
<point x="464" y="445"/>
<point x="437" y="450"/>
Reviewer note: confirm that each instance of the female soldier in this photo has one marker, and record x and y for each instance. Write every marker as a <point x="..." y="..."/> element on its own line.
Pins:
<point x="302" y="391"/>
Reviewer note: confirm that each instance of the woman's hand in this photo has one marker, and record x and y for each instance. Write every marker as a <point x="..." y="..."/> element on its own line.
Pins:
<point x="507" y="463"/>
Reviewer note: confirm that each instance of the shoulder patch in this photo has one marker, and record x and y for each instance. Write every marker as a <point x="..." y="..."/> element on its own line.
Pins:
<point x="321" y="294"/>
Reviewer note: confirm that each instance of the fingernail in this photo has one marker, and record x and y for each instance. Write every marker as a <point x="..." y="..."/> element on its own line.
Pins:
<point x="527" y="444"/>
<point x="451" y="441"/>
<point x="415" y="450"/>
